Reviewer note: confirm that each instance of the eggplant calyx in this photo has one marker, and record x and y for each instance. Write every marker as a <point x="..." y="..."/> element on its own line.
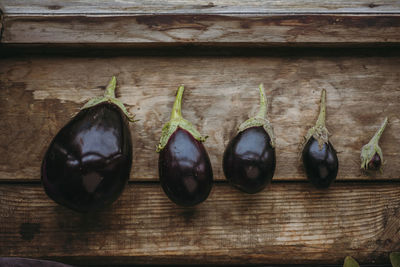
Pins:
<point x="109" y="96"/>
<point x="260" y="119"/>
<point x="319" y="130"/>
<point x="177" y="121"/>
<point x="369" y="150"/>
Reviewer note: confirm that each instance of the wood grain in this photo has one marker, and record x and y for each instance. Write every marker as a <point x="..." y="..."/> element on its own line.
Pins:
<point x="40" y="94"/>
<point x="288" y="223"/>
<point x="174" y="29"/>
<point x="198" y="7"/>
<point x="1" y="24"/>
<point x="143" y="226"/>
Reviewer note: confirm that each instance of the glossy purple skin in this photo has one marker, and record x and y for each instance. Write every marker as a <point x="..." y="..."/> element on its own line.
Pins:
<point x="249" y="160"/>
<point x="375" y="163"/>
<point x="185" y="169"/>
<point x="88" y="163"/>
<point x="321" y="165"/>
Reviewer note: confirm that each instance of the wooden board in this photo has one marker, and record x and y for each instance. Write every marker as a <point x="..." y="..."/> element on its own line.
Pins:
<point x="197" y="6"/>
<point x="40" y="94"/>
<point x="239" y="29"/>
<point x="138" y="23"/>
<point x="143" y="226"/>
<point x="54" y="56"/>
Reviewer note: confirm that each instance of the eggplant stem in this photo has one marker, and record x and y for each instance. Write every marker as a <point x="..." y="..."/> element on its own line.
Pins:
<point x="177" y="108"/>
<point x="176" y="121"/>
<point x="378" y="134"/>
<point x="319" y="131"/>
<point x="370" y="149"/>
<point x="109" y="96"/>
<point x="322" y="112"/>
<point x="110" y="89"/>
<point x="263" y="104"/>
<point x="260" y="119"/>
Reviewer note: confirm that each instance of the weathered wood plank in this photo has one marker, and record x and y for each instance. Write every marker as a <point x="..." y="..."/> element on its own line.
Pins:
<point x="1" y="24"/>
<point x="143" y="226"/>
<point x="40" y="94"/>
<point x="261" y="29"/>
<point x="198" y="7"/>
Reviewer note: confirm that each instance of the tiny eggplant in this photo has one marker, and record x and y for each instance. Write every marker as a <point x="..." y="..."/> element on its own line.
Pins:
<point x="319" y="157"/>
<point x="184" y="166"/>
<point x="88" y="163"/>
<point x="375" y="163"/>
<point x="249" y="159"/>
<point x="371" y="153"/>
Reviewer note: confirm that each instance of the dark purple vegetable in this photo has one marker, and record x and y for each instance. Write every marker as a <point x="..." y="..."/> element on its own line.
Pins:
<point x="321" y="164"/>
<point x="319" y="157"/>
<point x="88" y="163"/>
<point x="375" y="163"/>
<point x="249" y="159"/>
<point x="184" y="166"/>
<point x="371" y="153"/>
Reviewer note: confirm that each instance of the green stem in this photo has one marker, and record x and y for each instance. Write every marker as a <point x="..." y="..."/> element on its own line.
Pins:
<point x="263" y="104"/>
<point x="177" y="108"/>
<point x="110" y="89"/>
<point x="109" y="96"/>
<point x="176" y="121"/>
<point x="322" y="112"/>
<point x="378" y="133"/>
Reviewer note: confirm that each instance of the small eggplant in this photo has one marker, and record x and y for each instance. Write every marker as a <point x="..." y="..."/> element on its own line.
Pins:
<point x="371" y="153"/>
<point x="184" y="166"/>
<point x="319" y="157"/>
<point x="88" y="163"/>
<point x="249" y="159"/>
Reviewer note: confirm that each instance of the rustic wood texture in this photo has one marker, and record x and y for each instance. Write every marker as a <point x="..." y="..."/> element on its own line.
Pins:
<point x="261" y="29"/>
<point x="1" y="24"/>
<point x="288" y="223"/>
<point x="197" y="6"/>
<point x="40" y="94"/>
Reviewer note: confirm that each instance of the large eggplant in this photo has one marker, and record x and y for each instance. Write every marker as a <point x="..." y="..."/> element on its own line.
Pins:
<point x="184" y="166"/>
<point x="88" y="163"/>
<point x="319" y="156"/>
<point x="249" y="159"/>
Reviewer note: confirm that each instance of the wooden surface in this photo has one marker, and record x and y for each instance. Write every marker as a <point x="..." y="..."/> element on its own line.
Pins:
<point x="261" y="29"/>
<point x="164" y="22"/>
<point x="312" y="226"/>
<point x="197" y="6"/>
<point x="54" y="56"/>
<point x="40" y="94"/>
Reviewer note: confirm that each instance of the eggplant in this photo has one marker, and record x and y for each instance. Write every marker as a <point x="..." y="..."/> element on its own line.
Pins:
<point x="88" y="162"/>
<point x="249" y="159"/>
<point x="184" y="167"/>
<point x="319" y="156"/>
<point x="371" y="153"/>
